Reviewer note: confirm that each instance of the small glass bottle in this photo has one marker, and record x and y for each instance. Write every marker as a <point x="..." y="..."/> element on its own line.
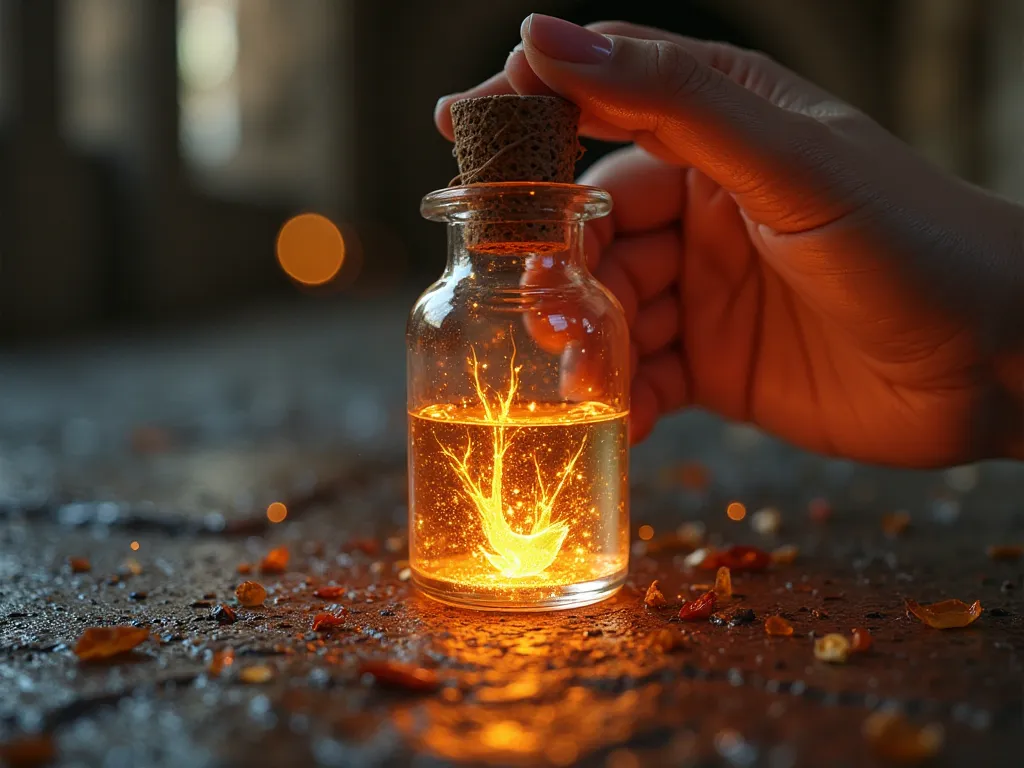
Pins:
<point x="518" y="398"/>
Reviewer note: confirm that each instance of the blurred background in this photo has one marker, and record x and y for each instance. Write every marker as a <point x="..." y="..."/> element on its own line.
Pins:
<point x="151" y="150"/>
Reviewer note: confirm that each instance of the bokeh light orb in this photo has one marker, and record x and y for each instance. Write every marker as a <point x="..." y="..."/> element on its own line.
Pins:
<point x="310" y="249"/>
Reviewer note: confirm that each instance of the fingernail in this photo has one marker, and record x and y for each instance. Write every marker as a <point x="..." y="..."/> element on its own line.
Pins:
<point x="565" y="41"/>
<point x="440" y="102"/>
<point x="514" y="51"/>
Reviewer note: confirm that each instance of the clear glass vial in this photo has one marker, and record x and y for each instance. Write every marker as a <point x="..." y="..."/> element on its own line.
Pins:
<point x="518" y="398"/>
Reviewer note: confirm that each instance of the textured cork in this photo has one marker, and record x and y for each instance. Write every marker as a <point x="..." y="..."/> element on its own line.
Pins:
<point x="509" y="139"/>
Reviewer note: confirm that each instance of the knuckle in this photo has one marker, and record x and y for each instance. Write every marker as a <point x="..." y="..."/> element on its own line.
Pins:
<point x="611" y="27"/>
<point x="676" y="70"/>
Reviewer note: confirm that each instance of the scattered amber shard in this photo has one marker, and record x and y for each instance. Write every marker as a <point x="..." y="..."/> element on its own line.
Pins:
<point x="723" y="583"/>
<point x="654" y="597"/>
<point x="832" y="648"/>
<point x="250" y="594"/>
<point x="776" y="626"/>
<point x="276" y="561"/>
<point x="105" y="642"/>
<point x="402" y="676"/>
<point x="256" y="675"/>
<point x="79" y="565"/>
<point x="324" y="622"/>
<point x="699" y="609"/>
<point x="892" y="737"/>
<point x="1008" y="552"/>
<point x="862" y="641"/>
<point x="949" y="614"/>
<point x="221" y="660"/>
<point x="329" y="592"/>
<point x="786" y="554"/>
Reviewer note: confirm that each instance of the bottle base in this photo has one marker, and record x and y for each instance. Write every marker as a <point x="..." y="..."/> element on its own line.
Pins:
<point x="512" y="599"/>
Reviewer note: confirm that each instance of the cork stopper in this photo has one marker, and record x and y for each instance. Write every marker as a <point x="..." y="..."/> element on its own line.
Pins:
<point x="515" y="139"/>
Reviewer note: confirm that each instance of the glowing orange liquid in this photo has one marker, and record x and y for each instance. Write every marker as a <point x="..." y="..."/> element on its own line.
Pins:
<point x="523" y="506"/>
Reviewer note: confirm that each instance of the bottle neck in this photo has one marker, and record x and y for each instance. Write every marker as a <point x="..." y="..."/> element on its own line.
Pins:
<point x="559" y="252"/>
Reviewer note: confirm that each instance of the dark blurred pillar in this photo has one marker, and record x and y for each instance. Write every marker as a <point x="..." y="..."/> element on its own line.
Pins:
<point x="47" y="225"/>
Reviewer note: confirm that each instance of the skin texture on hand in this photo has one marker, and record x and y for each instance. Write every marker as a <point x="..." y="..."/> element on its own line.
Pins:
<point x="781" y="259"/>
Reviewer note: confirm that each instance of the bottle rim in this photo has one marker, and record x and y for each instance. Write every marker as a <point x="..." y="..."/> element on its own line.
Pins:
<point x="522" y="200"/>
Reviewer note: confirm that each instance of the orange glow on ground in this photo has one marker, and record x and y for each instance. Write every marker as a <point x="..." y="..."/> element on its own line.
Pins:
<point x="736" y="511"/>
<point x="310" y="249"/>
<point x="135" y="546"/>
<point x="277" y="512"/>
<point x="646" y="532"/>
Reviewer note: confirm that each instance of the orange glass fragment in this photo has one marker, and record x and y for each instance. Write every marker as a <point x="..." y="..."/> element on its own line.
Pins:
<point x="250" y="594"/>
<point x="221" y="659"/>
<point x="862" y="641"/>
<point x="104" y="642"/>
<point x="723" y="583"/>
<point x="28" y="752"/>
<point x="654" y="597"/>
<point x="256" y="675"/>
<point x="324" y="622"/>
<point x="243" y="568"/>
<point x="699" y="609"/>
<point x="739" y="558"/>
<point x="893" y="737"/>
<point x="79" y="565"/>
<point x="895" y="523"/>
<point x="276" y="561"/>
<point x="403" y="676"/>
<point x="948" y="614"/>
<point x="1009" y="552"/>
<point x="776" y="626"/>
<point x="832" y="648"/>
<point x="329" y="592"/>
<point x="785" y="555"/>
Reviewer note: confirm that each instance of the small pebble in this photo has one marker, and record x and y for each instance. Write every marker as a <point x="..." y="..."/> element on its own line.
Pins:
<point x="138" y="596"/>
<point x="223" y="614"/>
<point x="734" y="618"/>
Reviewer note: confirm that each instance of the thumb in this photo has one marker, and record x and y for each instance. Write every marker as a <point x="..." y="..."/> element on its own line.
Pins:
<point x="657" y="89"/>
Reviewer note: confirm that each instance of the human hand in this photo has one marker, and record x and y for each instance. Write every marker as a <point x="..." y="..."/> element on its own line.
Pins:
<point x="781" y="258"/>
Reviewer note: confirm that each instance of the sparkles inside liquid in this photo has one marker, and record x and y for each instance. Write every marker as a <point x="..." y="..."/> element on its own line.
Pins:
<point x="519" y="506"/>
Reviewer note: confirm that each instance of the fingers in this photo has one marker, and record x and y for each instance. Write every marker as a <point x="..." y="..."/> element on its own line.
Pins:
<point x="656" y="324"/>
<point x="748" y="145"/>
<point x="518" y="77"/>
<point x="638" y="268"/>
<point x="648" y="193"/>
<point x="659" y="387"/>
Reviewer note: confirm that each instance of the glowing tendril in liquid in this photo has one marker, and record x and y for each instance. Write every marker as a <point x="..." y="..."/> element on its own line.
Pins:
<point x="513" y="554"/>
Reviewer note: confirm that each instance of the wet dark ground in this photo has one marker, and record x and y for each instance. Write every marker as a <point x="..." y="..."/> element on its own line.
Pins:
<point x="180" y="442"/>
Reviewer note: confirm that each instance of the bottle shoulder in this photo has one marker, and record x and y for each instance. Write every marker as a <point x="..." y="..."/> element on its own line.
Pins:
<point x="456" y="299"/>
